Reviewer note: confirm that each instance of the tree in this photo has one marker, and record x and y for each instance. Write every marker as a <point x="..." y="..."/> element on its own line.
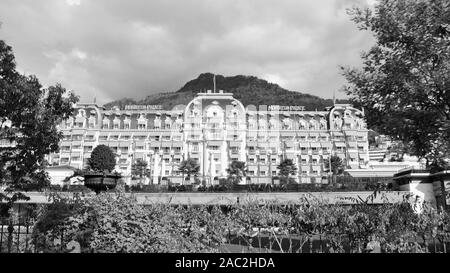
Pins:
<point x="29" y="119"/>
<point x="190" y="167"/>
<point x="287" y="168"/>
<point x="139" y="168"/>
<point x="102" y="159"/>
<point x="236" y="171"/>
<point x="337" y="165"/>
<point x="405" y="77"/>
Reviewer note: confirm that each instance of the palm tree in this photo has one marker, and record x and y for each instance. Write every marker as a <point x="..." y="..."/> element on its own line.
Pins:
<point x="287" y="168"/>
<point x="190" y="167"/>
<point x="337" y="165"/>
<point x="236" y="171"/>
<point x="139" y="168"/>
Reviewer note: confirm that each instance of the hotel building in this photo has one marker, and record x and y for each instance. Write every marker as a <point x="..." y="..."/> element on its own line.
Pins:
<point x="215" y="129"/>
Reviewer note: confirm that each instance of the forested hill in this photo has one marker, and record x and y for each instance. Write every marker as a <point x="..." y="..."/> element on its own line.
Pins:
<point x="247" y="89"/>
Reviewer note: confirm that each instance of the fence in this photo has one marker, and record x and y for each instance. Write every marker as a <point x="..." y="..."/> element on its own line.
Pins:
<point x="16" y="231"/>
<point x="318" y="243"/>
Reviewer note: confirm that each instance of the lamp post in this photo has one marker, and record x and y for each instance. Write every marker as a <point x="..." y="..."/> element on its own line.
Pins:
<point x="161" y="162"/>
<point x="150" y="154"/>
<point x="257" y="164"/>
<point x="172" y="154"/>
<point x="211" y="179"/>
<point x="269" y="153"/>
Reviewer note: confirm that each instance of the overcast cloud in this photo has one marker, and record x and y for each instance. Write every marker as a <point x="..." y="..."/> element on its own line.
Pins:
<point x="113" y="49"/>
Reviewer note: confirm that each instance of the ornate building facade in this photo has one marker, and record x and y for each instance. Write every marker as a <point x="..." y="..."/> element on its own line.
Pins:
<point x="215" y="129"/>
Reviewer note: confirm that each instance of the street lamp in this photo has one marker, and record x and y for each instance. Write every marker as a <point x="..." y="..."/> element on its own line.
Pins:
<point x="269" y="153"/>
<point x="162" y="161"/>
<point x="172" y="154"/>
<point x="150" y="154"/>
<point x="257" y="164"/>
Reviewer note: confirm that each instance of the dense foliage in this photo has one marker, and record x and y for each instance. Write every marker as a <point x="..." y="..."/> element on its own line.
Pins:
<point x="102" y="159"/>
<point x="248" y="89"/>
<point x="287" y="168"/>
<point x="189" y="167"/>
<point x="117" y="223"/>
<point x="404" y="82"/>
<point x="29" y="116"/>
<point x="236" y="171"/>
<point x="336" y="163"/>
<point x="139" y="169"/>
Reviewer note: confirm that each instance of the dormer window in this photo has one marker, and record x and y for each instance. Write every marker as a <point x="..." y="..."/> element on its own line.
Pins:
<point x="142" y="122"/>
<point x="126" y="123"/>
<point x="105" y="124"/>
<point x="157" y="123"/>
<point x="168" y="123"/>
<point x="116" y="123"/>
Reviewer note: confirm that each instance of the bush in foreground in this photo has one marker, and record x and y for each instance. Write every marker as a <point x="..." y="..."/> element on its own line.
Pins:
<point x="117" y="223"/>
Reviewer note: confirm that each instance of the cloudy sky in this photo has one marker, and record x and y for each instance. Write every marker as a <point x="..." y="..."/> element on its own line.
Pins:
<point x="112" y="49"/>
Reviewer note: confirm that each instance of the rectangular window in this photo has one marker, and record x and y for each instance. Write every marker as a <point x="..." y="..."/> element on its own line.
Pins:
<point x="65" y="148"/>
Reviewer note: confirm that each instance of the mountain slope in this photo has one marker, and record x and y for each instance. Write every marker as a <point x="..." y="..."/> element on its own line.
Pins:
<point x="247" y="89"/>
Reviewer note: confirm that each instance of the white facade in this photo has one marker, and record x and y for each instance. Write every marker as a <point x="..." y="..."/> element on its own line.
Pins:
<point x="215" y="129"/>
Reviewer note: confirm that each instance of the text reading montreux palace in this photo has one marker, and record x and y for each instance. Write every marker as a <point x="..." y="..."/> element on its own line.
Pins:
<point x="215" y="129"/>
